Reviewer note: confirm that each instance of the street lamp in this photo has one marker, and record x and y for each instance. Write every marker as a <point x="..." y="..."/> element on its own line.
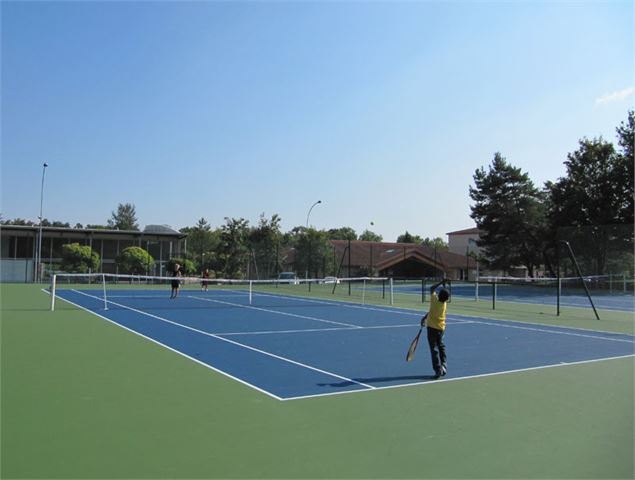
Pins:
<point x="308" y="265"/>
<point x="38" y="254"/>
<point x="307" y="215"/>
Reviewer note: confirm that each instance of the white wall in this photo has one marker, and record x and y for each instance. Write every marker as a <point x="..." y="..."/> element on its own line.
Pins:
<point x="16" y="270"/>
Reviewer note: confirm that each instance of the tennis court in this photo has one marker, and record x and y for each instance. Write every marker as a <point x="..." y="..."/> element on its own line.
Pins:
<point x="311" y="385"/>
<point x="292" y="347"/>
<point x="619" y="298"/>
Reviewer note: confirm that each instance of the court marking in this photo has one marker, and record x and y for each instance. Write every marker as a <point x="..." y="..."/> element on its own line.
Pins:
<point x="278" y="357"/>
<point x="271" y="311"/>
<point x="444" y="380"/>
<point x="477" y="320"/>
<point x="179" y="352"/>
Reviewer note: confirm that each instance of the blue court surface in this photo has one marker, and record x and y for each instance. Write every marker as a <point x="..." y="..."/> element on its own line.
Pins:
<point x="617" y="300"/>
<point x="292" y="347"/>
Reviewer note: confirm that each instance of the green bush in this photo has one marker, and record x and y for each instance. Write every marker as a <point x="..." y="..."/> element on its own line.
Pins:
<point x="134" y="260"/>
<point x="78" y="258"/>
<point x="187" y="266"/>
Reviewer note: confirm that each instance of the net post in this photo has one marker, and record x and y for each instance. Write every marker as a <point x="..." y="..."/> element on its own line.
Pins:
<point x="558" y="294"/>
<point x="423" y="286"/>
<point x="476" y="290"/>
<point x="610" y="284"/>
<point x="103" y="282"/>
<point x="364" y="292"/>
<point x="494" y="295"/>
<point x="53" y="285"/>
<point x="392" y="293"/>
<point x="383" y="289"/>
<point x="251" y="289"/>
<point x="624" y="277"/>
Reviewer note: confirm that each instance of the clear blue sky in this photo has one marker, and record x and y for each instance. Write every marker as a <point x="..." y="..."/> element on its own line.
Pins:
<point x="382" y="110"/>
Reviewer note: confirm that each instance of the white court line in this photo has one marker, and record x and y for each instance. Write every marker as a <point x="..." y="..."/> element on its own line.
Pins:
<point x="431" y="382"/>
<point x="273" y="311"/>
<point x="304" y="330"/>
<point x="389" y="309"/>
<point x="557" y="332"/>
<point x="477" y="320"/>
<point x="278" y="357"/>
<point x="228" y="375"/>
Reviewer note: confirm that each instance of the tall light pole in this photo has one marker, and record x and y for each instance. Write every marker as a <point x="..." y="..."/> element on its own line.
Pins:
<point x="308" y="264"/>
<point x="307" y="215"/>
<point x="38" y="255"/>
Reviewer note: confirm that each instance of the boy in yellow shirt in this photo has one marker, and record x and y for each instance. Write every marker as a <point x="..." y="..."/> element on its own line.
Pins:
<point x="435" y="324"/>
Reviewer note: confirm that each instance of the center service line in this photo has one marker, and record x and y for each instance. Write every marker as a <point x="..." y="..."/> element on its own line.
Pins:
<point x="231" y="341"/>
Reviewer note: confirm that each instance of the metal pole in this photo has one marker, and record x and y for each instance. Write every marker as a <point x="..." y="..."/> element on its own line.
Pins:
<point x="577" y="267"/>
<point x="38" y="254"/>
<point x="308" y="267"/>
<point x="559" y="286"/>
<point x="307" y="215"/>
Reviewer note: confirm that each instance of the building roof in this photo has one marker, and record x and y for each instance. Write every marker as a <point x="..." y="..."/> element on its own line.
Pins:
<point x="467" y="231"/>
<point x="92" y="231"/>
<point x="385" y="255"/>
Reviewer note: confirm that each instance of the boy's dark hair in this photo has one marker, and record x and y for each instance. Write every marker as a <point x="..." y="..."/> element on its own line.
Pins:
<point x="443" y="295"/>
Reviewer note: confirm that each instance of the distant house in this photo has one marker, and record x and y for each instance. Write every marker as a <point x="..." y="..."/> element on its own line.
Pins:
<point x="400" y="260"/>
<point x="463" y="242"/>
<point x="18" y="246"/>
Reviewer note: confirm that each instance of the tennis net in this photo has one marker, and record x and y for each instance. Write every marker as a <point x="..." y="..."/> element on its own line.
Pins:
<point x="109" y="289"/>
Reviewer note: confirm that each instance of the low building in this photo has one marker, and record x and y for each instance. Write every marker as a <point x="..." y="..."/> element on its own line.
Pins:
<point x="400" y="260"/>
<point x="18" y="247"/>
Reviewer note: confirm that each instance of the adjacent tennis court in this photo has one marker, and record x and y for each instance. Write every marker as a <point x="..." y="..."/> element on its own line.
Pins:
<point x="292" y="347"/>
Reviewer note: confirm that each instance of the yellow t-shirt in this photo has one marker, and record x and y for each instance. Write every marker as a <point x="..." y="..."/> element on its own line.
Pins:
<point x="436" y="315"/>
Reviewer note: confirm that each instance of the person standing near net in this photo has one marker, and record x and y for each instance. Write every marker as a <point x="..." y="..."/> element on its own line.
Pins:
<point x="176" y="283"/>
<point x="435" y="324"/>
<point x="205" y="279"/>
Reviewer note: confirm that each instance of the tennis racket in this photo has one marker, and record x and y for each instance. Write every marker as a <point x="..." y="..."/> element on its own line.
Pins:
<point x="413" y="346"/>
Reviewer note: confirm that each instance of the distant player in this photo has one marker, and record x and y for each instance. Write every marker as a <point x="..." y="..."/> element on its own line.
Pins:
<point x="176" y="283"/>
<point x="436" y="328"/>
<point x="205" y="281"/>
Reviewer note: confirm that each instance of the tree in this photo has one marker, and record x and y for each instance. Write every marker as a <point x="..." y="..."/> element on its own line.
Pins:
<point x="18" y="221"/>
<point x="134" y="260"/>
<point x="55" y="223"/>
<point x="409" y="238"/>
<point x="233" y="249"/>
<point x="79" y="258"/>
<point x="369" y="236"/>
<point x="624" y="167"/>
<point x="202" y="241"/>
<point x="435" y="243"/>
<point x="124" y="218"/>
<point x="592" y="206"/>
<point x="187" y="266"/>
<point x="313" y="251"/>
<point x="342" y="233"/>
<point x="509" y="210"/>
<point x="264" y="243"/>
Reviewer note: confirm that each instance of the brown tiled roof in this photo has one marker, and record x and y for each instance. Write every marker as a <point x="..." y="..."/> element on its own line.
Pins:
<point x="385" y="255"/>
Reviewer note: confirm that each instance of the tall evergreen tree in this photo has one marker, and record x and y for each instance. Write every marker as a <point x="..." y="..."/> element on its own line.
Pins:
<point x="124" y="218"/>
<point x="509" y="210"/>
